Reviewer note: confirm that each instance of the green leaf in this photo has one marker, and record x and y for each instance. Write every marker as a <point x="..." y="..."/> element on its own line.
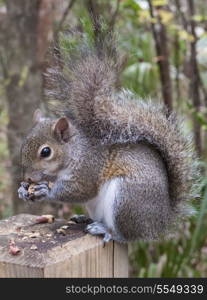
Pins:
<point x="132" y="4"/>
<point x="159" y="2"/>
<point x="199" y="18"/>
<point x="23" y="76"/>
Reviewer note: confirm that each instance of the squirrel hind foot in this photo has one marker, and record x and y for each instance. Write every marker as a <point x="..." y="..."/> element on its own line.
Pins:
<point x="98" y="228"/>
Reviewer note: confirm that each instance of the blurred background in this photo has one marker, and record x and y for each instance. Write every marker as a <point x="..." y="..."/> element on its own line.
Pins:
<point x="164" y="45"/>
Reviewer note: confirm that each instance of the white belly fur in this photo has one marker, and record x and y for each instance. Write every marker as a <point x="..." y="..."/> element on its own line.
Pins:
<point x="101" y="207"/>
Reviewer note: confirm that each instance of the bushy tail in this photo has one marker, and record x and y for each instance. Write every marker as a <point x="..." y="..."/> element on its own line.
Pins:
<point x="147" y="121"/>
<point x="85" y="76"/>
<point x="88" y="90"/>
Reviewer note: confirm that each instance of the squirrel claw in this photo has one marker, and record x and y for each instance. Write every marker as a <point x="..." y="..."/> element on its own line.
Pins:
<point x="40" y="186"/>
<point x="97" y="228"/>
<point x="41" y="191"/>
<point x="23" y="192"/>
<point x="107" y="238"/>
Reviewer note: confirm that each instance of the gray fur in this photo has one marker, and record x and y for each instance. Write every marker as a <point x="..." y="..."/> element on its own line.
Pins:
<point x="143" y="209"/>
<point x="112" y="116"/>
<point x="157" y="159"/>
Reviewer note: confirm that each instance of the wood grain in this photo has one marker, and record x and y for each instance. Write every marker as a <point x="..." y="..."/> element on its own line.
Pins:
<point x="46" y="253"/>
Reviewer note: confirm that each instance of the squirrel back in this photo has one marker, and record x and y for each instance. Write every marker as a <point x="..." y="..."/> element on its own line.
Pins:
<point x="86" y="90"/>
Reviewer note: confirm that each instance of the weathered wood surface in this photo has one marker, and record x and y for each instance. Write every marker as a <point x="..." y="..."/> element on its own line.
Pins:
<point x="75" y="254"/>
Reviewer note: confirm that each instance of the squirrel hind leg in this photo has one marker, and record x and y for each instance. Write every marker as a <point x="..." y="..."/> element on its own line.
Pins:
<point x="142" y="211"/>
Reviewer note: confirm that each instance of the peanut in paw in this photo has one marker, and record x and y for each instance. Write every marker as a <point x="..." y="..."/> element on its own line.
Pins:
<point x="50" y="184"/>
<point x="31" y="189"/>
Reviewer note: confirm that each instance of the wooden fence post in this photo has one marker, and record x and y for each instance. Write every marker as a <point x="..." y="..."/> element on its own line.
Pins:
<point x="46" y="252"/>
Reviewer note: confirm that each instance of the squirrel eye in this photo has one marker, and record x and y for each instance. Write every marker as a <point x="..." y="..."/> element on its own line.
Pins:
<point x="45" y="152"/>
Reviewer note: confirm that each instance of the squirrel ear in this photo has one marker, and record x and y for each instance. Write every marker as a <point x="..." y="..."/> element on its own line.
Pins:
<point x="61" y="129"/>
<point x="37" y="116"/>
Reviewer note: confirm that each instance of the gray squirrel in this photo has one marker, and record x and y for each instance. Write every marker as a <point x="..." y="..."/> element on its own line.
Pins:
<point x="128" y="160"/>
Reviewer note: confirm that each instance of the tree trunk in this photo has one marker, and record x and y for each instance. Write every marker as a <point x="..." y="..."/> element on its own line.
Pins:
<point x="23" y="51"/>
<point x="195" y="79"/>
<point x="161" y="45"/>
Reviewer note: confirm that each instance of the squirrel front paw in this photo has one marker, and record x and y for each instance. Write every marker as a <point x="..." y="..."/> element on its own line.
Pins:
<point x="40" y="191"/>
<point x="23" y="191"/>
<point x="97" y="228"/>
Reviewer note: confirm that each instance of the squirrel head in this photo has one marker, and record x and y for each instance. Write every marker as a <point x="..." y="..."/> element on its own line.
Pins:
<point x="44" y="151"/>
